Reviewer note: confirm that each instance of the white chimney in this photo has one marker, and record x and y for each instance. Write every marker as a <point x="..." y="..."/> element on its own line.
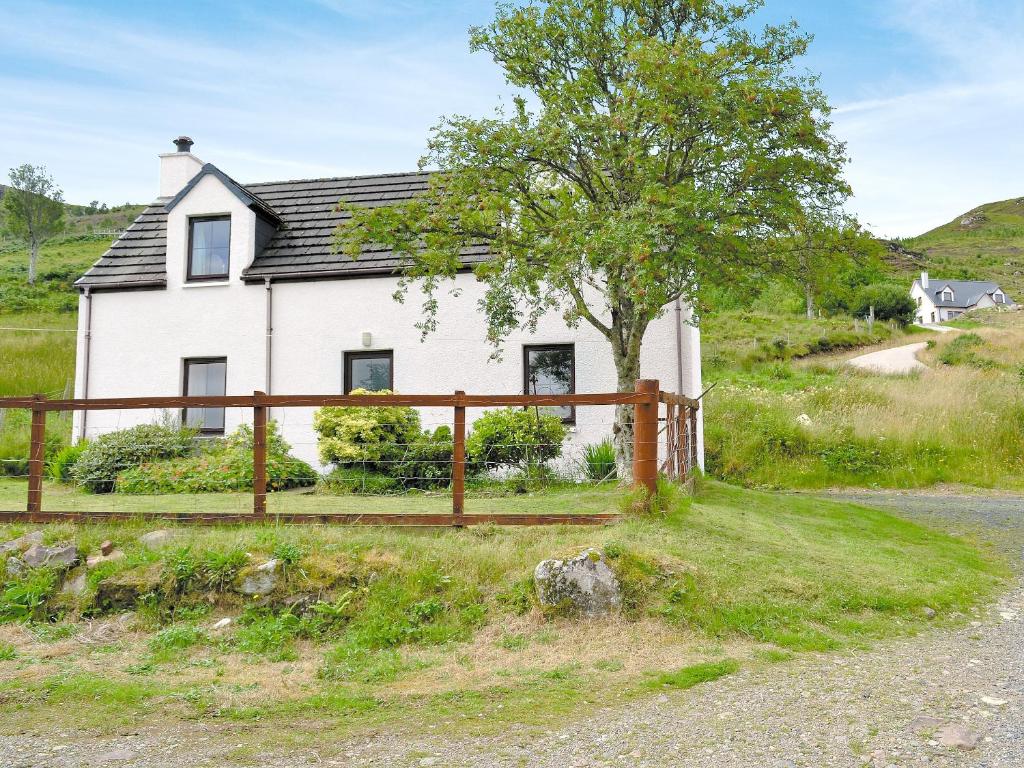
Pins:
<point x="178" y="168"/>
<point x="924" y="280"/>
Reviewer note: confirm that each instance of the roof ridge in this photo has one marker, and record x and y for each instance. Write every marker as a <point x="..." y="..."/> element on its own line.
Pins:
<point x="340" y="178"/>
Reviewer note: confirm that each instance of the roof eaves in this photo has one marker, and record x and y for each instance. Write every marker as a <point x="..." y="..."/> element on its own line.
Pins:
<point x="244" y="195"/>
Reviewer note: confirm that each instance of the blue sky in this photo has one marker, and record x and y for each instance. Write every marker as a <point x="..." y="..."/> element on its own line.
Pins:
<point x="929" y="94"/>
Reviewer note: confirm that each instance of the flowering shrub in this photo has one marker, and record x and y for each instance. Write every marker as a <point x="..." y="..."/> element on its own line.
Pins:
<point x="375" y="438"/>
<point x="511" y="437"/>
<point x="222" y="465"/>
<point x="100" y="463"/>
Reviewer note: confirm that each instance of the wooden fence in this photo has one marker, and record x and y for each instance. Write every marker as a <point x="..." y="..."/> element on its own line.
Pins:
<point x="680" y="428"/>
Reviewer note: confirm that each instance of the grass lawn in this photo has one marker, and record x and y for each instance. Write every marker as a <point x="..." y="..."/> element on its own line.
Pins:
<point x="405" y="629"/>
<point x="60" y="498"/>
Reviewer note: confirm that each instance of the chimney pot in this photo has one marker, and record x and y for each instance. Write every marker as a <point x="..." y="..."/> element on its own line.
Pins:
<point x="183" y="143"/>
<point x="924" y="280"/>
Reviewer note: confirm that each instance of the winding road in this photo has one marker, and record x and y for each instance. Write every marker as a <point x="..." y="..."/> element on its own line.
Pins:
<point x="896" y="360"/>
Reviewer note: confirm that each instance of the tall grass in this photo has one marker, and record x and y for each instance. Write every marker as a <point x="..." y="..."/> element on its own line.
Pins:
<point x="962" y="421"/>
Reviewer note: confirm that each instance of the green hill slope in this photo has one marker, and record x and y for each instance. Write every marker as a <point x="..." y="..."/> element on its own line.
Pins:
<point x="986" y="243"/>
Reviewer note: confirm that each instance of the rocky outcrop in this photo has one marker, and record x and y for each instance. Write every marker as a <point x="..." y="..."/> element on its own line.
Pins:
<point x="261" y="580"/>
<point x="584" y="585"/>
<point x="61" y="556"/>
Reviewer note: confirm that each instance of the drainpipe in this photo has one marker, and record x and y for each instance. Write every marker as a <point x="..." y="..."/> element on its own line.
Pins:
<point x="270" y="336"/>
<point x="86" y="350"/>
<point x="679" y="347"/>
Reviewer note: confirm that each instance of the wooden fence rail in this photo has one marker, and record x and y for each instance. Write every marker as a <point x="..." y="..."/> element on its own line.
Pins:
<point x="681" y="444"/>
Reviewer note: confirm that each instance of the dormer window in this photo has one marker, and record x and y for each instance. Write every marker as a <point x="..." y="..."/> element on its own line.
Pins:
<point x="209" y="243"/>
<point x="999" y="297"/>
<point x="947" y="294"/>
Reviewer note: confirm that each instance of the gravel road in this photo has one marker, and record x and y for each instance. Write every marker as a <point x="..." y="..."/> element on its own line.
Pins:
<point x="899" y="704"/>
<point x="896" y="360"/>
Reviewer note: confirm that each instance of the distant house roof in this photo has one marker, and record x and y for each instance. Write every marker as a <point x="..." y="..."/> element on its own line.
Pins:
<point x="966" y="293"/>
<point x="305" y="215"/>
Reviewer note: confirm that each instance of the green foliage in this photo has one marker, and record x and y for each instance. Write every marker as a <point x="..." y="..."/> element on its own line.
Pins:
<point x="24" y="598"/>
<point x="599" y="460"/>
<point x="512" y="437"/>
<point x="688" y="677"/>
<point x="356" y="480"/>
<point x="33" y="208"/>
<point x="220" y="465"/>
<point x="427" y="461"/>
<point x="891" y="302"/>
<point x="176" y="638"/>
<point x="105" y="458"/>
<point x="7" y="652"/>
<point x="221" y="566"/>
<point x="264" y="633"/>
<point x="963" y="350"/>
<point x="373" y="437"/>
<point x="61" y="465"/>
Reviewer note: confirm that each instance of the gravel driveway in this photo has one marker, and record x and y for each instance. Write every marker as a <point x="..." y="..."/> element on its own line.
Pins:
<point x="896" y="360"/>
<point x="891" y="706"/>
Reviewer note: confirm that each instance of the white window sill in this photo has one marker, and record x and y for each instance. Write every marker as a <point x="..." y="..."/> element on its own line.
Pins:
<point x="206" y="284"/>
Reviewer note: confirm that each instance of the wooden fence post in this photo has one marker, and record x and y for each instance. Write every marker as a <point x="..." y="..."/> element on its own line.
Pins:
<point x="693" y="436"/>
<point x="36" y="455"/>
<point x="645" y="437"/>
<point x="459" y="462"/>
<point x="259" y="456"/>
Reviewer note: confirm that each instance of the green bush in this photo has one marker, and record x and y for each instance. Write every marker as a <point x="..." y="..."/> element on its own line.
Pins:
<point x="99" y="465"/>
<point x="373" y="437"/>
<point x="62" y="464"/>
<point x="511" y="437"/>
<point x="24" y="598"/>
<point x="427" y="462"/>
<point x="599" y="460"/>
<point x="963" y="350"/>
<point x="891" y="302"/>
<point x="221" y="465"/>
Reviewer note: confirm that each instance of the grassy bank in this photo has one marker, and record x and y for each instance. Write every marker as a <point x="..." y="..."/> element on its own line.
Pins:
<point x="817" y="423"/>
<point x="418" y="628"/>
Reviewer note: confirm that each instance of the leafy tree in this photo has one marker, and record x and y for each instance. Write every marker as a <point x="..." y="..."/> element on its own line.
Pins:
<point x="34" y="209"/>
<point x="654" y="146"/>
<point x="891" y="302"/>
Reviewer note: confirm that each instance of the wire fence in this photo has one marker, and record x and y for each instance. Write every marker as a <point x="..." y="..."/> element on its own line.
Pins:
<point x="377" y="459"/>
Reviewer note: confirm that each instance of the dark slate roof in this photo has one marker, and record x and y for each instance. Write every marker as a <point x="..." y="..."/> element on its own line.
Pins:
<point x="966" y="293"/>
<point x="247" y="197"/>
<point x="301" y="246"/>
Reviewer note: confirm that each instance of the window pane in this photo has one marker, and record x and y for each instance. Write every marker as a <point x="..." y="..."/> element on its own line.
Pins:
<point x="370" y="373"/>
<point x="206" y="378"/>
<point x="210" y="247"/>
<point x="550" y="372"/>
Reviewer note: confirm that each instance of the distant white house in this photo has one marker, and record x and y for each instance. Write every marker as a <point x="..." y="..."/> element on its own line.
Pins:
<point x="941" y="300"/>
<point x="223" y="288"/>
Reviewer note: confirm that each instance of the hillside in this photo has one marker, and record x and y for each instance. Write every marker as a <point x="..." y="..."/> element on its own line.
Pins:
<point x="986" y="243"/>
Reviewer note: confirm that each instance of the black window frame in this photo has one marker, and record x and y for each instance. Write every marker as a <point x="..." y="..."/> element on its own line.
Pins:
<point x="528" y="348"/>
<point x="367" y="354"/>
<point x="191" y="278"/>
<point x="186" y="363"/>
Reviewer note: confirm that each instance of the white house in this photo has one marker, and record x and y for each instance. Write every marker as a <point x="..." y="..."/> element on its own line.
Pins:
<point x="941" y="300"/>
<point x="220" y="288"/>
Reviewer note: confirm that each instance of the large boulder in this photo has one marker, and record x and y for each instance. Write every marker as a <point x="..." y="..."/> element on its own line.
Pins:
<point x="21" y="543"/>
<point x="157" y="539"/>
<point x="582" y="585"/>
<point x="61" y="556"/>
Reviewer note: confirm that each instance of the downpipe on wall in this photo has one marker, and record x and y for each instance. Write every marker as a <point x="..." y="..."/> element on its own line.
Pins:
<point x="86" y="351"/>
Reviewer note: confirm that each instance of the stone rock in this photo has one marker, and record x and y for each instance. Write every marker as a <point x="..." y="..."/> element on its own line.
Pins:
<point x="261" y="580"/>
<point x="957" y="735"/>
<point x="93" y="560"/>
<point x="157" y="539"/>
<point x="21" y="543"/>
<point x="121" y="591"/>
<point x="59" y="556"/>
<point x="427" y="761"/>
<point x="924" y="724"/>
<point x="222" y="624"/>
<point x="15" y="567"/>
<point x="584" y="584"/>
<point x="803" y="420"/>
<point x="106" y="547"/>
<point x="991" y="701"/>
<point x="929" y="613"/>
<point x="75" y="585"/>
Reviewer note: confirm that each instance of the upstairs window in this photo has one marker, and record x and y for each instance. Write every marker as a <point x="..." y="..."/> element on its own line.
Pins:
<point x="205" y="376"/>
<point x="947" y="295"/>
<point x="372" y="371"/>
<point x="551" y="370"/>
<point x="209" y="242"/>
<point x="999" y="297"/>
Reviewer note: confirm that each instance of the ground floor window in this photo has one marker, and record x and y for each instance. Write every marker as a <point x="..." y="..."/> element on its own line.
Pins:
<point x="372" y="371"/>
<point x="550" y="369"/>
<point x="205" y="376"/>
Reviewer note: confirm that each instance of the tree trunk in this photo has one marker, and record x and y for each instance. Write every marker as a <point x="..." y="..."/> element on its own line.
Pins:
<point x="33" y="258"/>
<point x="627" y="369"/>
<point x="809" y="294"/>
